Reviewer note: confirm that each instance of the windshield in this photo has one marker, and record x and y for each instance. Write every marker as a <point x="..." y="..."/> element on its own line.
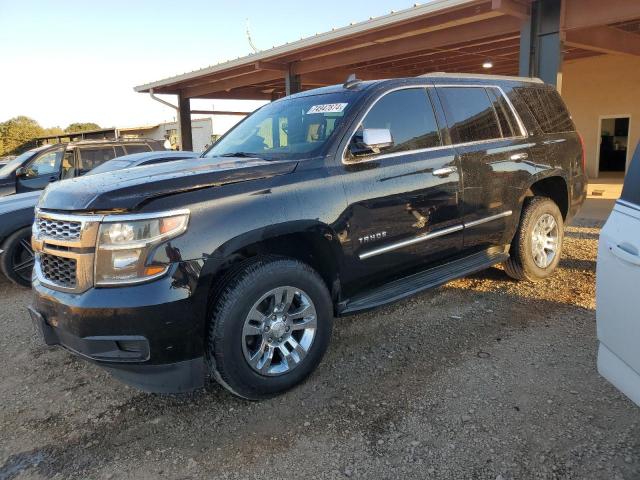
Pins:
<point x="10" y="167"/>
<point x="288" y="129"/>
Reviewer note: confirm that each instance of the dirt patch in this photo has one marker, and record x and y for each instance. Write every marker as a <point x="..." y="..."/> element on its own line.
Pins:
<point x="482" y="378"/>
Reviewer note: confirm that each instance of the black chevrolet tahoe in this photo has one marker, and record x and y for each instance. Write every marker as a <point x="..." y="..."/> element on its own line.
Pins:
<point x="322" y="204"/>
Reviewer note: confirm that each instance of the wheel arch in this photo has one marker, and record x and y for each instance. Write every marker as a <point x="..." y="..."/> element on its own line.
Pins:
<point x="553" y="185"/>
<point x="308" y="241"/>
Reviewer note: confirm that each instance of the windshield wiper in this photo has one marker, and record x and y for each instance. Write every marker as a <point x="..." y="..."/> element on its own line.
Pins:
<point x="240" y="155"/>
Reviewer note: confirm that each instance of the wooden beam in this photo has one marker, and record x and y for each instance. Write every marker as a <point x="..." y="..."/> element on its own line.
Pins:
<point x="590" y="13"/>
<point x="438" y="39"/>
<point x="274" y="66"/>
<point x="604" y="40"/>
<point x="440" y="21"/>
<point x="231" y="83"/>
<point x="511" y="8"/>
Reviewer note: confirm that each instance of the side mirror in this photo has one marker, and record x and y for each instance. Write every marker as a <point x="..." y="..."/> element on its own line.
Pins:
<point x="371" y="140"/>
<point x="376" y="139"/>
<point x="21" y="172"/>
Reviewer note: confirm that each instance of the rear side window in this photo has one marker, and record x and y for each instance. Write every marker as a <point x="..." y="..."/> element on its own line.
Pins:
<point x="137" y="148"/>
<point x="547" y="107"/>
<point x="90" y="158"/>
<point x="470" y="114"/>
<point x="631" y="190"/>
<point x="408" y="114"/>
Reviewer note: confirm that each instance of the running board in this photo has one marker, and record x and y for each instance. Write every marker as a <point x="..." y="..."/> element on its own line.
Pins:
<point x="418" y="282"/>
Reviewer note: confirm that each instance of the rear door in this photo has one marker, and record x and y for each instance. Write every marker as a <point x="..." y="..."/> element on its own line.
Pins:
<point x="494" y="155"/>
<point x="618" y="302"/>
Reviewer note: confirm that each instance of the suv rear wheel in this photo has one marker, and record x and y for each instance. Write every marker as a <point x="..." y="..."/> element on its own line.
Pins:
<point x="270" y="326"/>
<point x="537" y="246"/>
<point x="18" y="258"/>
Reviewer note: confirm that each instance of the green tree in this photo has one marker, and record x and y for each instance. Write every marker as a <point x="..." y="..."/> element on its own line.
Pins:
<point x="81" y="127"/>
<point x="16" y="132"/>
<point x="52" y="131"/>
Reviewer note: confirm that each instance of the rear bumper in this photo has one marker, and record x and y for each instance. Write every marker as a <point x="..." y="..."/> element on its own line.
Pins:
<point x="150" y="336"/>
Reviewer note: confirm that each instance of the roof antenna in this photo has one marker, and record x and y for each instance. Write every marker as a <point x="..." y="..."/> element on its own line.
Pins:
<point x="352" y="81"/>
<point x="249" y="39"/>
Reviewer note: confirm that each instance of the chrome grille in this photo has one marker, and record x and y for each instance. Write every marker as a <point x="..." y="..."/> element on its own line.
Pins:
<point x="59" y="229"/>
<point x="59" y="270"/>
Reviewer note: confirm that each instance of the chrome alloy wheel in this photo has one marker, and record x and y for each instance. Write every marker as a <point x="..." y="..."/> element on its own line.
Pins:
<point x="279" y="331"/>
<point x="544" y="240"/>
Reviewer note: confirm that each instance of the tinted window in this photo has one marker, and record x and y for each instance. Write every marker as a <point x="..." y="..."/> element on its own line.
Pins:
<point x="119" y="151"/>
<point x="547" y="107"/>
<point x="90" y="158"/>
<point x="631" y="190"/>
<point x="409" y="115"/>
<point x="470" y="114"/>
<point x="46" y="164"/>
<point x="508" y="123"/>
<point x="137" y="148"/>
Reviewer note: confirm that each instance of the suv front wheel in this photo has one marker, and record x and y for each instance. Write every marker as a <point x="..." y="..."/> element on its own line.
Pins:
<point x="537" y="246"/>
<point x="270" y="327"/>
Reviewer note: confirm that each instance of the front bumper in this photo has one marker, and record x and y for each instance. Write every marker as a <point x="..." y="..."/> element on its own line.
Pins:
<point x="150" y="336"/>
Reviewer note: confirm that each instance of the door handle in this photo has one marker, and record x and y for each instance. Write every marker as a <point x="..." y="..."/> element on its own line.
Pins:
<point x="624" y="255"/>
<point x="444" y="171"/>
<point x="519" y="157"/>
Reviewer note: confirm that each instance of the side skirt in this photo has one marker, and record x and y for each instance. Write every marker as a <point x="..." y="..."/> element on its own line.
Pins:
<point x="418" y="282"/>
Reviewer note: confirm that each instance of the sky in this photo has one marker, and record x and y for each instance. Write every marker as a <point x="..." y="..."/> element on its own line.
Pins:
<point x="78" y="61"/>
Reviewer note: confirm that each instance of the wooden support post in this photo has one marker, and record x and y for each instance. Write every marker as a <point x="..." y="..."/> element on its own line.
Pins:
<point x="541" y="43"/>
<point x="292" y="83"/>
<point x="184" y="123"/>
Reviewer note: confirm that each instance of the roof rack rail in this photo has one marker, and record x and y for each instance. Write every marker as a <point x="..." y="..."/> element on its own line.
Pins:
<point x="481" y="76"/>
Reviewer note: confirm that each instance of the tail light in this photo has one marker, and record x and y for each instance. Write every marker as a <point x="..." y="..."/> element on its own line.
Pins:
<point x="584" y="158"/>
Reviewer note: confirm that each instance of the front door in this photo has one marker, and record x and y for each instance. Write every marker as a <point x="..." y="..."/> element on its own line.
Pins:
<point x="494" y="156"/>
<point x="402" y="201"/>
<point x="41" y="171"/>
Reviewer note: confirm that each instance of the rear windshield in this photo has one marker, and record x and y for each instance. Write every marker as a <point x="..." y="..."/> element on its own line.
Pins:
<point x="547" y="107"/>
<point x="631" y="190"/>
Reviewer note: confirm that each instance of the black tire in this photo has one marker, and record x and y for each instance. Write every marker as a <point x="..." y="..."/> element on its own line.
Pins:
<point x="225" y="347"/>
<point x="17" y="259"/>
<point x="521" y="264"/>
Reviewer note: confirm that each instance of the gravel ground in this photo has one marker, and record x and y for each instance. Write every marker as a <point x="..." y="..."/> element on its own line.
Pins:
<point x="481" y="378"/>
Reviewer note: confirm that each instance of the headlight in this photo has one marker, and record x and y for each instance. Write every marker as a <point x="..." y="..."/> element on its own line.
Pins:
<point x="126" y="244"/>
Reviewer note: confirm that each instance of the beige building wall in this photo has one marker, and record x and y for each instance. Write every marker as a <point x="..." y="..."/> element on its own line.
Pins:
<point x="601" y="86"/>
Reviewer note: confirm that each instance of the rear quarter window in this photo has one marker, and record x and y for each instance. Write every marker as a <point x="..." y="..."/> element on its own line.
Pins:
<point x="547" y="108"/>
<point x="631" y="189"/>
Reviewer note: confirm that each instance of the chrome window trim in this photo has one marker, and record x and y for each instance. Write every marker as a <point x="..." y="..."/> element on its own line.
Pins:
<point x="431" y="235"/>
<point x="523" y="131"/>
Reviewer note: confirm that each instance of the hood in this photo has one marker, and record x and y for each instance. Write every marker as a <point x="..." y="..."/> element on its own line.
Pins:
<point x="13" y="203"/>
<point x="127" y="189"/>
<point x="7" y="186"/>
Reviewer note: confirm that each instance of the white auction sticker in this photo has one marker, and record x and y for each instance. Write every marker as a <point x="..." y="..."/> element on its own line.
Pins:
<point x="328" y="108"/>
